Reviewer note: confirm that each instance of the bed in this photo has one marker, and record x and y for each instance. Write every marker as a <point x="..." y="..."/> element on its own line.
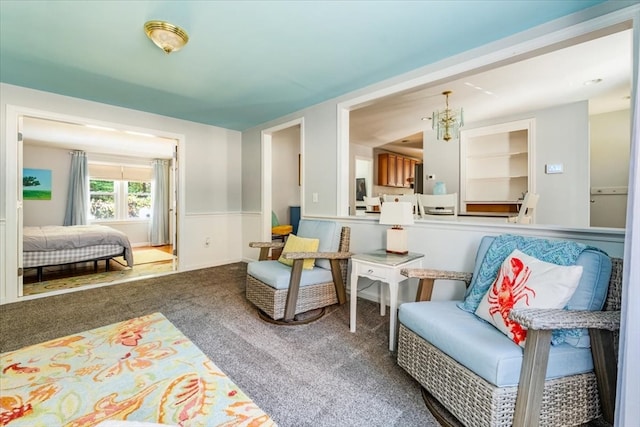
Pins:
<point x="56" y="245"/>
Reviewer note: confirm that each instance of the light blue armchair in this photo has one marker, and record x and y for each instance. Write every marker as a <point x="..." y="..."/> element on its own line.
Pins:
<point x="473" y="371"/>
<point x="292" y="294"/>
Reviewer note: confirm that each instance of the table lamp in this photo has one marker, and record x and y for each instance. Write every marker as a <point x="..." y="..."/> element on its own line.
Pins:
<point x="396" y="214"/>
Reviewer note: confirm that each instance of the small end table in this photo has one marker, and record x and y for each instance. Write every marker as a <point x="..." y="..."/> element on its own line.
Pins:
<point x="383" y="266"/>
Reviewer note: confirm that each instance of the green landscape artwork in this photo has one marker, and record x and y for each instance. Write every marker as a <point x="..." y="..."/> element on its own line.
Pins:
<point x="36" y="184"/>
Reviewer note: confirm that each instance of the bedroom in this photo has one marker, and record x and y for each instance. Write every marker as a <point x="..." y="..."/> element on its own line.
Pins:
<point x="121" y="197"/>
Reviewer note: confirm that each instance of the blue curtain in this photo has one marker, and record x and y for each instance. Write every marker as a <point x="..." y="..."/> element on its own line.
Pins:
<point x="78" y="193"/>
<point x="160" y="203"/>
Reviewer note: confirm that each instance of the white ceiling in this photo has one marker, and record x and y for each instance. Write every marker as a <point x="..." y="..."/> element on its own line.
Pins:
<point x="550" y="79"/>
<point x="95" y="140"/>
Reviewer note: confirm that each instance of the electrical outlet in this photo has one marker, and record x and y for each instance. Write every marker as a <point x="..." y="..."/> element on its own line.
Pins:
<point x="315" y="197"/>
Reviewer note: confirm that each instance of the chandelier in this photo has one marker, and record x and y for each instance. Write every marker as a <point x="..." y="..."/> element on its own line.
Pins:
<point x="447" y="123"/>
<point x="167" y="37"/>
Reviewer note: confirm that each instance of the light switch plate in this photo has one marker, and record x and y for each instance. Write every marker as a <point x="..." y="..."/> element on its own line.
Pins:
<point x="553" y="168"/>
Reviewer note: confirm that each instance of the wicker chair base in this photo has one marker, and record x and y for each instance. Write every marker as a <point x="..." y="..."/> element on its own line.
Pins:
<point x="474" y="402"/>
<point x="299" y="319"/>
<point x="444" y="417"/>
<point x="273" y="301"/>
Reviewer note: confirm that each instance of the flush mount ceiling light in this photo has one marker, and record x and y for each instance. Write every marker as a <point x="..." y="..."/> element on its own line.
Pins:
<point x="447" y="122"/>
<point x="167" y="37"/>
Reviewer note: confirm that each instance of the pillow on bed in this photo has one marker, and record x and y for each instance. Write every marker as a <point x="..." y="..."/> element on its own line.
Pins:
<point x="526" y="282"/>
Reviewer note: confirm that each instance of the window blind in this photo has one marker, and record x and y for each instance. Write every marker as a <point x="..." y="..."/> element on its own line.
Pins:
<point x="120" y="172"/>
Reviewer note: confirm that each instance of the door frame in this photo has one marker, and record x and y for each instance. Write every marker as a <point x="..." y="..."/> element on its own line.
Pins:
<point x="267" y="173"/>
<point x="14" y="205"/>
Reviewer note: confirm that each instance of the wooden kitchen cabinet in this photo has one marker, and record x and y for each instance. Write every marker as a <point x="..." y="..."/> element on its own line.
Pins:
<point x="387" y="166"/>
<point x="394" y="170"/>
<point x="409" y="168"/>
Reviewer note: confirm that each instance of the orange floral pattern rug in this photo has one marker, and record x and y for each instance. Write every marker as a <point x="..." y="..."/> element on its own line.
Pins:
<point x="143" y="369"/>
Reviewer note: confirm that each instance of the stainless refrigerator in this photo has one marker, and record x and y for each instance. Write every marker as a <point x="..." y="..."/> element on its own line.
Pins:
<point x="418" y="180"/>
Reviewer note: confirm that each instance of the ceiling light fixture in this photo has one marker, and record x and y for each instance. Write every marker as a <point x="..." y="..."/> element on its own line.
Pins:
<point x="447" y="123"/>
<point x="167" y="37"/>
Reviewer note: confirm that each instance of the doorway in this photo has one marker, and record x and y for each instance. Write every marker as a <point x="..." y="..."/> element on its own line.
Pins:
<point x="283" y="174"/>
<point x="44" y="143"/>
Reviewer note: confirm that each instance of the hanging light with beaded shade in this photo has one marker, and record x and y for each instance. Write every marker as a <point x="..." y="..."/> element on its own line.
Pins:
<point x="447" y="122"/>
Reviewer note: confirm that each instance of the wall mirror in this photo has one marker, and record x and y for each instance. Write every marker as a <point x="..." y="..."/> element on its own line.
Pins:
<point x="577" y="93"/>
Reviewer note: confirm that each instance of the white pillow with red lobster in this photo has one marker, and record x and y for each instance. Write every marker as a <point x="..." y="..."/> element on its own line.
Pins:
<point x="526" y="282"/>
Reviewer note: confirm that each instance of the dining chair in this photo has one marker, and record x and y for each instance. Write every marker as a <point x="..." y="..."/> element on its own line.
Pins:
<point x="525" y="214"/>
<point x="438" y="204"/>
<point x="372" y="204"/>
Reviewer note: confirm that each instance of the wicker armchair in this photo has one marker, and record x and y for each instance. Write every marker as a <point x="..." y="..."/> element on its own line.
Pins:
<point x="449" y="388"/>
<point x="301" y="301"/>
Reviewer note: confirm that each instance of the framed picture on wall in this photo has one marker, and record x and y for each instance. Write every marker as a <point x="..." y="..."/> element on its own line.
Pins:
<point x="36" y="184"/>
<point x="361" y="189"/>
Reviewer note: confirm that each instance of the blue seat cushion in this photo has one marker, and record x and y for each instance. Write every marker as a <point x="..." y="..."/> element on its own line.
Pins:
<point x="589" y="295"/>
<point x="328" y="232"/>
<point x="277" y="275"/>
<point x="482" y="348"/>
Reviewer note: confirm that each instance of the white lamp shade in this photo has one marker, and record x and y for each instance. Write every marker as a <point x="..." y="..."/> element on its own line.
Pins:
<point x="396" y="213"/>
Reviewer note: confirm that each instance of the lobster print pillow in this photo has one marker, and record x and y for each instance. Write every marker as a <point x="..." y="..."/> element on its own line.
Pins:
<point x="526" y="282"/>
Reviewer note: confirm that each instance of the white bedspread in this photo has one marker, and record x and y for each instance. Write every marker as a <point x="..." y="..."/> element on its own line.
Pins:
<point x="56" y="237"/>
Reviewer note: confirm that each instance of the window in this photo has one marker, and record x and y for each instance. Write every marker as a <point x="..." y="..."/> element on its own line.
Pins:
<point x="102" y="199"/>
<point x="119" y="200"/>
<point x="139" y="199"/>
<point x="119" y="193"/>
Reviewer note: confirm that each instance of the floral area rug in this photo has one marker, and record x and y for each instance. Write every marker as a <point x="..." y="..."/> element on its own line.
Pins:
<point x="143" y="369"/>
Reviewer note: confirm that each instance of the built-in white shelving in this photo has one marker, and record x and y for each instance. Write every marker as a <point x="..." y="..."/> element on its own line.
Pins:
<point x="495" y="164"/>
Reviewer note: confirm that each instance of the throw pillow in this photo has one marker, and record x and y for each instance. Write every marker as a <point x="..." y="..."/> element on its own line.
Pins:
<point x="526" y="282"/>
<point x="299" y="244"/>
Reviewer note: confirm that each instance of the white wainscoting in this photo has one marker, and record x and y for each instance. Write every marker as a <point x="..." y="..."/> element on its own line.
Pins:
<point x="251" y="232"/>
<point x="224" y="231"/>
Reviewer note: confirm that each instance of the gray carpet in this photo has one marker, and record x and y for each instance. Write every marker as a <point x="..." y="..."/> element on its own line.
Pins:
<point x="317" y="374"/>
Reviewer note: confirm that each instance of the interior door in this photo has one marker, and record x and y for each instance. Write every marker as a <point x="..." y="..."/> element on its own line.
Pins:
<point x="173" y="205"/>
<point x="19" y="210"/>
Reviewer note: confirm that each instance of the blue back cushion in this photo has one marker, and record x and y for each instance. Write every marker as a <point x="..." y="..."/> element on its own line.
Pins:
<point x="328" y="232"/>
<point x="590" y="294"/>
<point x="482" y="250"/>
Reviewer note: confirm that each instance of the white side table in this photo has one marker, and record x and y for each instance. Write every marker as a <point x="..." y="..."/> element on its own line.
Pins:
<point x="383" y="266"/>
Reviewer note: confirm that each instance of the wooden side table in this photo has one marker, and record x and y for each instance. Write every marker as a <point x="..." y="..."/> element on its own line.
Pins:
<point x="383" y="266"/>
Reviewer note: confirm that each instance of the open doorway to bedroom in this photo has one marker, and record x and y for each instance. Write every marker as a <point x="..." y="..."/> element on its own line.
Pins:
<point x="130" y="190"/>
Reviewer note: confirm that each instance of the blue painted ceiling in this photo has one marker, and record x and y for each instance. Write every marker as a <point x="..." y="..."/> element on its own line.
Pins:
<point x="247" y="62"/>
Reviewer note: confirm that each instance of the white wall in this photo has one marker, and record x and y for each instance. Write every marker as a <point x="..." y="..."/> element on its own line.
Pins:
<point x="58" y="161"/>
<point x="441" y="159"/>
<point x="209" y="178"/>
